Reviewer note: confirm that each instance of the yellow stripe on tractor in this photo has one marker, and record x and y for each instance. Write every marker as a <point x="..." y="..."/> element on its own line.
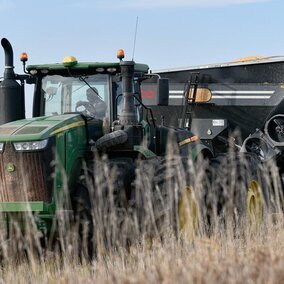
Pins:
<point x="66" y="127"/>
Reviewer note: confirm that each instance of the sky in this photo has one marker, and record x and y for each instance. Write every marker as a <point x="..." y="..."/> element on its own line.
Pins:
<point x="170" y="33"/>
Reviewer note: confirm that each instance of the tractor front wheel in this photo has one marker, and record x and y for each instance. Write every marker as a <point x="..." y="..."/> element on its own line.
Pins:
<point x="82" y="207"/>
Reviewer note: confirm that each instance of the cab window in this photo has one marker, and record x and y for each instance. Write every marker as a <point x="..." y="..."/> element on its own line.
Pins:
<point x="62" y="94"/>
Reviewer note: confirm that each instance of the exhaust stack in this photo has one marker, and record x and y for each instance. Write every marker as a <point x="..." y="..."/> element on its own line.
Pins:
<point x="128" y="114"/>
<point x="12" y="99"/>
<point x="9" y="58"/>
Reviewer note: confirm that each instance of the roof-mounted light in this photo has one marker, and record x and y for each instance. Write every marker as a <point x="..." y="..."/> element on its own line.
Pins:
<point x="33" y="71"/>
<point x="111" y="69"/>
<point x="120" y="54"/>
<point x="100" y="69"/>
<point x="24" y="57"/>
<point x="69" y="61"/>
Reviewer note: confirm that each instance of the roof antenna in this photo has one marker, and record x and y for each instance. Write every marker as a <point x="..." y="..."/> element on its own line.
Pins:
<point x="134" y="44"/>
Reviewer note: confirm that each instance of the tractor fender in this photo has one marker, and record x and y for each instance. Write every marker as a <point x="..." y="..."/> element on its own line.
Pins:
<point x="111" y="139"/>
<point x="197" y="149"/>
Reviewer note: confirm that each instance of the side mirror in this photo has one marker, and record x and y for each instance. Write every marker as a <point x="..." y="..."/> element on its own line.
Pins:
<point x="163" y="91"/>
<point x="199" y="95"/>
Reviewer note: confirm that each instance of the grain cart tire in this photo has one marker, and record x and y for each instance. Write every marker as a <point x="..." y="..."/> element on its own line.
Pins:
<point x="82" y="207"/>
<point x="174" y="202"/>
<point x="238" y="193"/>
<point x="111" y="139"/>
<point x="273" y="179"/>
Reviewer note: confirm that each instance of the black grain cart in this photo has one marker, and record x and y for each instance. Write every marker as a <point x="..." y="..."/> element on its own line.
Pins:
<point x="243" y="94"/>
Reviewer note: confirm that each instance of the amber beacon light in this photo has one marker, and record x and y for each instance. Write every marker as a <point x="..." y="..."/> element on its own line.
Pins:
<point x="24" y="57"/>
<point x="120" y="54"/>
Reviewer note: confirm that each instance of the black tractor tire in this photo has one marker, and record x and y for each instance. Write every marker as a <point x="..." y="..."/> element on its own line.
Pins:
<point x="123" y="174"/>
<point x="110" y="184"/>
<point x="237" y="194"/>
<point x="111" y="139"/>
<point x="83" y="209"/>
<point x="142" y="196"/>
<point x="171" y="205"/>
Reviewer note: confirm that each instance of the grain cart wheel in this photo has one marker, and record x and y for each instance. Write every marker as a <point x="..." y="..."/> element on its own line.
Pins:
<point x="274" y="178"/>
<point x="255" y="205"/>
<point x="174" y="202"/>
<point x="238" y="191"/>
<point x="252" y="202"/>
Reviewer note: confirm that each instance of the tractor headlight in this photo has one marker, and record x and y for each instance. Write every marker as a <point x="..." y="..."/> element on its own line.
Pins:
<point x="1" y="146"/>
<point x="30" y="145"/>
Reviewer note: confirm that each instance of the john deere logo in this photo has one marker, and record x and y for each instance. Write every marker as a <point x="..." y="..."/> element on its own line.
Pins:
<point x="10" y="167"/>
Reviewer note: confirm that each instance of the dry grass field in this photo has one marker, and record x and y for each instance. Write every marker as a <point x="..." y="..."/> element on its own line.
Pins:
<point x="229" y="254"/>
<point x="220" y="259"/>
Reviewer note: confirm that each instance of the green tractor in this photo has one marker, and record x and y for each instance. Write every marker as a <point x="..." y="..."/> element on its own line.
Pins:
<point x="87" y="116"/>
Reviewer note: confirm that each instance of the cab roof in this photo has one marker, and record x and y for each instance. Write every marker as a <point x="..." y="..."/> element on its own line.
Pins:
<point x="85" y="67"/>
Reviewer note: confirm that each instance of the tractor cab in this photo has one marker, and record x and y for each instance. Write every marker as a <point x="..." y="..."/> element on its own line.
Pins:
<point x="92" y="89"/>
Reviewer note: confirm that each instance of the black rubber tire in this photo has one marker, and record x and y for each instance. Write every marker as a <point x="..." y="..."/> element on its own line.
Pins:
<point x="124" y="176"/>
<point x="82" y="208"/>
<point x="111" y="139"/>
<point x="166" y="190"/>
<point x="166" y="180"/>
<point x="110" y="194"/>
<point x="142" y="197"/>
<point x="231" y="177"/>
<point x="273" y="178"/>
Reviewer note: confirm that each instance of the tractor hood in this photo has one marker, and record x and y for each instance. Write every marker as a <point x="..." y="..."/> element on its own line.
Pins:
<point x="39" y="128"/>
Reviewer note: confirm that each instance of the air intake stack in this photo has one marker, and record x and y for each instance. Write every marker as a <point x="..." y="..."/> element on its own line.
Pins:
<point x="12" y="100"/>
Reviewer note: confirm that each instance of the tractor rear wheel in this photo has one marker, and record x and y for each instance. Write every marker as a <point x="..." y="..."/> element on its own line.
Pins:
<point x="175" y="206"/>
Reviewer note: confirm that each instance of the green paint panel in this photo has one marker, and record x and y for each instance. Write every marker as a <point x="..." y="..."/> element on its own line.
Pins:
<point x="37" y="128"/>
<point x="31" y="130"/>
<point x="37" y="206"/>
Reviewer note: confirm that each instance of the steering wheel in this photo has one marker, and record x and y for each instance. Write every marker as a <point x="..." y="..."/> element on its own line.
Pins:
<point x="87" y="108"/>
